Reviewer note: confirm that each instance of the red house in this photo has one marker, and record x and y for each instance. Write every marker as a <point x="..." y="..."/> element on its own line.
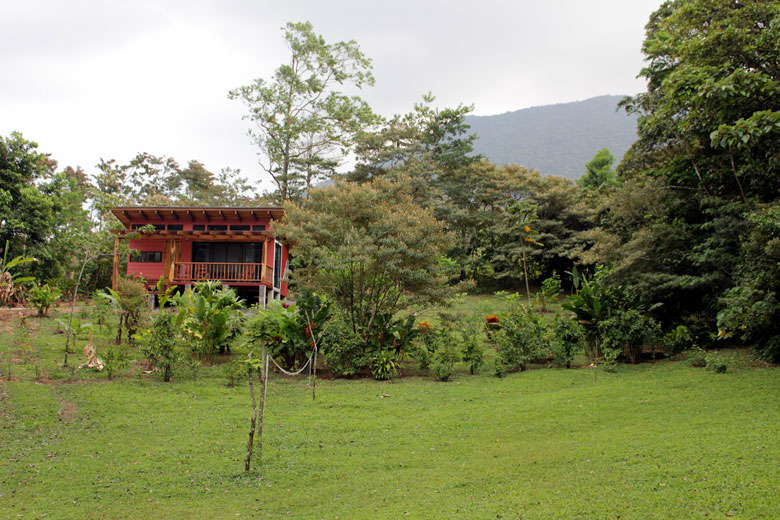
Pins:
<point x="186" y="244"/>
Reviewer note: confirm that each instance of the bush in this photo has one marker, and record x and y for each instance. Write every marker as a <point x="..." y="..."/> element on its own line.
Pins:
<point x="444" y="362"/>
<point x="235" y="372"/>
<point x="42" y="296"/>
<point x="344" y="350"/>
<point x="625" y="333"/>
<point x="521" y="339"/>
<point x="384" y="366"/>
<point x="566" y="342"/>
<point x="751" y="313"/>
<point x="472" y="350"/>
<point x="210" y="317"/>
<point x="697" y="357"/>
<point x="677" y="340"/>
<point x="160" y="344"/>
<point x="549" y="292"/>
<point x="114" y="360"/>
<point x="716" y="362"/>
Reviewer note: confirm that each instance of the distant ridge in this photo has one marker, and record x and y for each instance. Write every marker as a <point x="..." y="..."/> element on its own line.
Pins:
<point x="555" y="139"/>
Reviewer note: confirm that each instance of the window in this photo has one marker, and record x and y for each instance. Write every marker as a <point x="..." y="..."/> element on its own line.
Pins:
<point x="146" y="256"/>
<point x="157" y="227"/>
<point x="198" y="227"/>
<point x="175" y="227"/>
<point x="239" y="227"/>
<point x="258" y="227"/>
<point x="217" y="227"/>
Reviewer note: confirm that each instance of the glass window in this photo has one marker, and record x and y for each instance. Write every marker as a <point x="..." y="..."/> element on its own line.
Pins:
<point x="239" y="227"/>
<point x="198" y="227"/>
<point x="146" y="256"/>
<point x="258" y="227"/>
<point x="217" y="227"/>
<point x="175" y="227"/>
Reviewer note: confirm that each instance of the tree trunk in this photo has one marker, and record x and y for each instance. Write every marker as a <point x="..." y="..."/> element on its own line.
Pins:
<point x="253" y="420"/>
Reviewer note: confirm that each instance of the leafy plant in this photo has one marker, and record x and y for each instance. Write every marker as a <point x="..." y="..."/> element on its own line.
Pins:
<point x="472" y="350"/>
<point x="130" y="301"/>
<point x="210" y="318"/>
<point x="625" y="333"/>
<point x="523" y="337"/>
<point x="678" y="340"/>
<point x="235" y="372"/>
<point x="697" y="357"/>
<point x="566" y="341"/>
<point x="344" y="350"/>
<point x="550" y="291"/>
<point x="716" y="362"/>
<point x="160" y="344"/>
<point x="43" y="296"/>
<point x="282" y="331"/>
<point x="384" y="366"/>
<point x="444" y="362"/>
<point x="11" y="283"/>
<point x="114" y="359"/>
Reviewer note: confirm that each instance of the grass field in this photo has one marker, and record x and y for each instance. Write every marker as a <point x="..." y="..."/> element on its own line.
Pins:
<point x="656" y="440"/>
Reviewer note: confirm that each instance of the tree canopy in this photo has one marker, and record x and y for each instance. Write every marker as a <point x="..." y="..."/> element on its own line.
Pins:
<point x="302" y="123"/>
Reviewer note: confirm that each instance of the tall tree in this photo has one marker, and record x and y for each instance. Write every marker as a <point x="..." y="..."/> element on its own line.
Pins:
<point x="304" y="125"/>
<point x="598" y="171"/>
<point x="369" y="247"/>
<point x="708" y="152"/>
<point x="26" y="214"/>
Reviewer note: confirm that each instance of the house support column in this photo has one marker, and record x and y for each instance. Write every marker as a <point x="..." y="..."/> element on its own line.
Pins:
<point x="115" y="270"/>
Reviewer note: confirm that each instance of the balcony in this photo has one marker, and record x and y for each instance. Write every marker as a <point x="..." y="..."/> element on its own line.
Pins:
<point x="188" y="272"/>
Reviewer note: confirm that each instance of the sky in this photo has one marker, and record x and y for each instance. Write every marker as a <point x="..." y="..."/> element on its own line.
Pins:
<point x="92" y="79"/>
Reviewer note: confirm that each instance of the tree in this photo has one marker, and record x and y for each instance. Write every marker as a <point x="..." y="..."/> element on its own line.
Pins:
<point x="711" y="115"/>
<point x="708" y="152"/>
<point x="303" y="125"/>
<point x="598" y="171"/>
<point x="26" y="214"/>
<point x="369" y="248"/>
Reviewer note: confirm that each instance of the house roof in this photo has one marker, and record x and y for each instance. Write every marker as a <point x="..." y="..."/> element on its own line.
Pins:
<point x="126" y="214"/>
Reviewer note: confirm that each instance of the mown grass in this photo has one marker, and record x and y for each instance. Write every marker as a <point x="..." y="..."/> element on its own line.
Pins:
<point x="657" y="440"/>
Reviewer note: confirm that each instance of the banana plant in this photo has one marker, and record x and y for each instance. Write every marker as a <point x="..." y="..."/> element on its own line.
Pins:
<point x="10" y="283"/>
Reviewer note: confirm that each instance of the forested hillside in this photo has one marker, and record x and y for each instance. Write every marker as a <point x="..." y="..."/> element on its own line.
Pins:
<point x="555" y="139"/>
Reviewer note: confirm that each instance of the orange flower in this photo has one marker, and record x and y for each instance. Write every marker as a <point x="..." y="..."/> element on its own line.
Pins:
<point x="492" y="319"/>
<point x="527" y="229"/>
<point x="424" y="326"/>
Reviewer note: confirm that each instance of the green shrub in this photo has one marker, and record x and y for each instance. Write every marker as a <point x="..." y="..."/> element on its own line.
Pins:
<point x="566" y="341"/>
<point x="384" y="366"/>
<point x="716" y="362"/>
<point x="130" y="300"/>
<point x="549" y="292"/>
<point x="43" y="296"/>
<point x="625" y="333"/>
<point x="472" y="350"/>
<point x="751" y="313"/>
<point x="522" y="338"/>
<point x="160" y="344"/>
<point x="235" y="372"/>
<point x="697" y="357"/>
<point x="114" y="360"/>
<point x="344" y="350"/>
<point x="444" y="362"/>
<point x="677" y="340"/>
<point x="210" y="317"/>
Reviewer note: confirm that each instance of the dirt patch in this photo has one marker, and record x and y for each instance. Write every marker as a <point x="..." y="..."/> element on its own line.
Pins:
<point x="67" y="411"/>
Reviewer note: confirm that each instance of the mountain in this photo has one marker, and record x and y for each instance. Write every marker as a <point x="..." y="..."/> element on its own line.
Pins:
<point x="555" y="139"/>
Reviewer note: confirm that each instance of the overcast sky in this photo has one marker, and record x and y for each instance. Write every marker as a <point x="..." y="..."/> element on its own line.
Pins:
<point x="95" y="78"/>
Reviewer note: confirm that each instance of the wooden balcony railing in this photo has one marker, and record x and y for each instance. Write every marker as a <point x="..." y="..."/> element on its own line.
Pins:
<point x="185" y="272"/>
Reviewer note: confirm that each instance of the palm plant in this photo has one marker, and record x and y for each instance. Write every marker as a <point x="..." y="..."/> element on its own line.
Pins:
<point x="10" y="283"/>
<point x="208" y="314"/>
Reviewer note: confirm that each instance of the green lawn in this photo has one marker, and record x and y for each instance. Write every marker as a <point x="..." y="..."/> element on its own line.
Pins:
<point x="657" y="440"/>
